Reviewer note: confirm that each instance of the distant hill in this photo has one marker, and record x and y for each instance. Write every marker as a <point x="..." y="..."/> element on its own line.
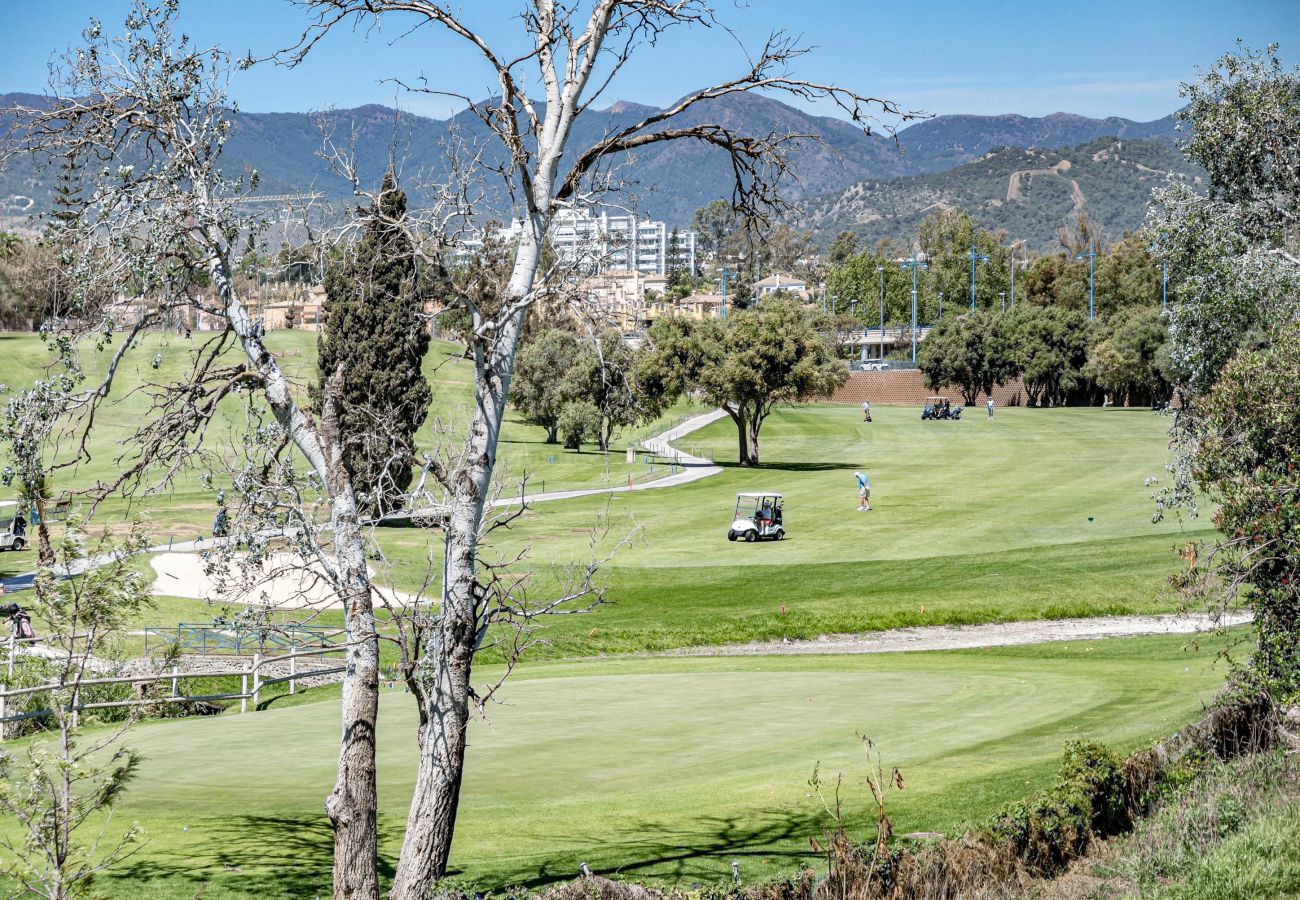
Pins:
<point x="667" y="181"/>
<point x="947" y="141"/>
<point x="1030" y="193"/>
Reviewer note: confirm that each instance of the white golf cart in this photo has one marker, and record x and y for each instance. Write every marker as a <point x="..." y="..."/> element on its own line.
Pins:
<point x="758" y="516"/>
<point x="13" y="526"/>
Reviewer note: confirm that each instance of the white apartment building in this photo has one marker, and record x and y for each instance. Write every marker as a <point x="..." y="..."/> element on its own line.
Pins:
<point x="600" y="242"/>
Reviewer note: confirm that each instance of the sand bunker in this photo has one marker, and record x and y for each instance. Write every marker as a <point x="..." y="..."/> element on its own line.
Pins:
<point x="288" y="583"/>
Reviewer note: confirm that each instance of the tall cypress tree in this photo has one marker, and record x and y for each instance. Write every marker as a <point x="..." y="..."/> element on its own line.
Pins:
<point x="373" y="332"/>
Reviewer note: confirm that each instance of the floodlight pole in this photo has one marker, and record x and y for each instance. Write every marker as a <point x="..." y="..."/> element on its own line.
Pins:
<point x="725" y="274"/>
<point x="975" y="256"/>
<point x="1013" y="276"/>
<point x="914" y="264"/>
<point x="1091" y="255"/>
<point x="881" y="270"/>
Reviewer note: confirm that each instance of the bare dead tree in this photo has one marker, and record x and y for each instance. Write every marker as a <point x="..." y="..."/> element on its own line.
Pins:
<point x="575" y="51"/>
<point x="159" y="234"/>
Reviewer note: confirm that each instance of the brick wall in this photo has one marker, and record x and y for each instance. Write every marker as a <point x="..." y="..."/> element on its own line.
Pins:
<point x="907" y="388"/>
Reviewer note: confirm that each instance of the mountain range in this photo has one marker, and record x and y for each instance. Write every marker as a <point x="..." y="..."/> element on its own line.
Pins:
<point x="1028" y="193"/>
<point x="666" y="181"/>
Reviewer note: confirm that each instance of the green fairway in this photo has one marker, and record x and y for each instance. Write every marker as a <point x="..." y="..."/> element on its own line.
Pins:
<point x="666" y="769"/>
<point x="188" y="507"/>
<point x="1039" y="513"/>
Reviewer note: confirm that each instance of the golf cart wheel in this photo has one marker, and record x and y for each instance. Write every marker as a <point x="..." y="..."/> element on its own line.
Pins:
<point x="731" y="535"/>
<point x="780" y="535"/>
<point x="750" y="537"/>
<point x="19" y="544"/>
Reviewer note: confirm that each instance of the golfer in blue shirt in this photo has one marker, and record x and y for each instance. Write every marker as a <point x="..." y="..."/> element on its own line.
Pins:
<point x="864" y="491"/>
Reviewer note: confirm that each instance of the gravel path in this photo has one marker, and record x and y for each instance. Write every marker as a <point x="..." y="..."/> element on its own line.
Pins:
<point x="966" y="637"/>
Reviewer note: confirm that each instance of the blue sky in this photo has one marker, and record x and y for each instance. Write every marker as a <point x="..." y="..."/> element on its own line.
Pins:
<point x="942" y="56"/>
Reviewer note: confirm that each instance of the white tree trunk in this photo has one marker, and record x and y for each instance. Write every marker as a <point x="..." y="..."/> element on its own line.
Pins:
<point x="352" y="804"/>
<point x="445" y="698"/>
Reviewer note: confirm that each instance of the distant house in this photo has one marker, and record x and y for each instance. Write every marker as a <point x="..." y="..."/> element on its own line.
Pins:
<point x="304" y="311"/>
<point x="781" y="281"/>
<point x="696" y="306"/>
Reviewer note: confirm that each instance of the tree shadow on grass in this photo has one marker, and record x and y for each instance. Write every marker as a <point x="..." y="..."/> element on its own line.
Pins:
<point x="279" y="856"/>
<point x="255" y="856"/>
<point x="765" y="842"/>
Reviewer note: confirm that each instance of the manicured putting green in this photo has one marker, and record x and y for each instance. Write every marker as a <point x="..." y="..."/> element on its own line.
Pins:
<point x="665" y="768"/>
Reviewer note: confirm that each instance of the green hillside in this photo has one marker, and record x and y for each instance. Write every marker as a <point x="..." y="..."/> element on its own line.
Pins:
<point x="1028" y="193"/>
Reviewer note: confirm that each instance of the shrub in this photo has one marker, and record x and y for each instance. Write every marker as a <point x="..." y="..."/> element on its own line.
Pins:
<point x="1048" y="829"/>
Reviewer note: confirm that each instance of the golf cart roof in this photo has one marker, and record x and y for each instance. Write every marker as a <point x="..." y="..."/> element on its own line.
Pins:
<point x="936" y="397"/>
<point x="759" y="494"/>
<point x="5" y="504"/>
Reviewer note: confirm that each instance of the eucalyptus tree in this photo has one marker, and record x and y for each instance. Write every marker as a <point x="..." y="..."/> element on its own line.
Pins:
<point x="572" y="53"/>
<point x="159" y="233"/>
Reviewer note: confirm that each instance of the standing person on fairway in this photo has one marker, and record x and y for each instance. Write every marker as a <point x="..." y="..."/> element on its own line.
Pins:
<point x="866" y="410"/>
<point x="864" y="491"/>
<point x="990" y="407"/>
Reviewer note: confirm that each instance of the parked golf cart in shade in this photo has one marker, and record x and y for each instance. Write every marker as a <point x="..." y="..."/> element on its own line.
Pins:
<point x="13" y="526"/>
<point x="758" y="516"/>
<point x="940" y="408"/>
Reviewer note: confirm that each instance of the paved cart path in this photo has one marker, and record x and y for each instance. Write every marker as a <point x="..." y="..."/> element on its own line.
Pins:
<point x="693" y="468"/>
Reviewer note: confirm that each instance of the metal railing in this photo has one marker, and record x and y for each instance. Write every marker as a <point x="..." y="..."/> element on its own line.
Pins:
<point x="212" y="637"/>
<point x="251" y="684"/>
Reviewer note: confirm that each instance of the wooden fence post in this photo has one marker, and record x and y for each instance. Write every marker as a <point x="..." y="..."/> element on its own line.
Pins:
<point x="4" y="694"/>
<point x="175" y="683"/>
<point x="257" y="678"/>
<point x="243" y="692"/>
<point x="293" y="670"/>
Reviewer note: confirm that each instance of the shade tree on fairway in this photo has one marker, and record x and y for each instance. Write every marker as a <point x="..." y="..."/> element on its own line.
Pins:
<point x="773" y="353"/>
<point x="1129" y="357"/>
<point x="578" y="388"/>
<point x="1051" y="346"/>
<point x="975" y="352"/>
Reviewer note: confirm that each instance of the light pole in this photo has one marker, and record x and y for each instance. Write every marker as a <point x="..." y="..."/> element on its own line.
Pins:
<point x="1002" y="295"/>
<point x="913" y="264"/>
<point x="941" y="306"/>
<point x="1090" y="255"/>
<point x="881" y="270"/>
<point x="974" y="257"/>
<point x="862" y="357"/>
<point x="1014" y="263"/>
<point x="725" y="275"/>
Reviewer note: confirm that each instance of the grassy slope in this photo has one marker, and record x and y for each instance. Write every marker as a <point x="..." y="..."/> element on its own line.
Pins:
<point x="187" y="508"/>
<point x="1040" y="513"/>
<point x="664" y="769"/>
